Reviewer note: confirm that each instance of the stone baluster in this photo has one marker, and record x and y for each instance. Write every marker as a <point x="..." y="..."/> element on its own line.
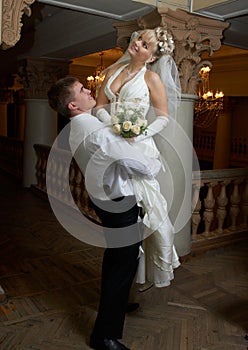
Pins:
<point x="65" y="179"/>
<point x="72" y="179"/>
<point x="78" y="188"/>
<point x="235" y="200"/>
<point x="60" y="171"/>
<point x="196" y="206"/>
<point x="222" y="201"/>
<point x="43" y="171"/>
<point x="53" y="188"/>
<point x="244" y="204"/>
<point x="209" y="203"/>
<point x="65" y="158"/>
<point x="2" y="295"/>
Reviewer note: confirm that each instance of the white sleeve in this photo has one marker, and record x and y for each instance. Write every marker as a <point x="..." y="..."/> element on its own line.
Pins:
<point x="103" y="116"/>
<point x="154" y="128"/>
<point x="133" y="160"/>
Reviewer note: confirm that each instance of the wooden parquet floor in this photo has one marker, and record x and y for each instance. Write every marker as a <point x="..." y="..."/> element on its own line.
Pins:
<point x="52" y="285"/>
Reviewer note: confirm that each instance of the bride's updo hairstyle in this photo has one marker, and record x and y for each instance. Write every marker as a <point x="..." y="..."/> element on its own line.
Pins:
<point x="161" y="39"/>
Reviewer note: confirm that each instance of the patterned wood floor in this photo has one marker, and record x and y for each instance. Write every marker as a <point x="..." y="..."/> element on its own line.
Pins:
<point x="52" y="284"/>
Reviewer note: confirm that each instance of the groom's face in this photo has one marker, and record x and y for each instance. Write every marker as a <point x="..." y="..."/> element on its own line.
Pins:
<point x="82" y="100"/>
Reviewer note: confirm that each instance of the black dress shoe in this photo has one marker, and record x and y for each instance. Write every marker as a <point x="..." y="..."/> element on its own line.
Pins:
<point x="132" y="307"/>
<point x="106" y="344"/>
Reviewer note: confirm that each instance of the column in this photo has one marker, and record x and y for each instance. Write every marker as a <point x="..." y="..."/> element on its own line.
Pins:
<point x="192" y="36"/>
<point x="223" y="137"/>
<point x="40" y="120"/>
<point x="181" y="164"/>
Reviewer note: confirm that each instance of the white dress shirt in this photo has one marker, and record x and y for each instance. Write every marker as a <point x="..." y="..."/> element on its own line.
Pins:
<point x="106" y="160"/>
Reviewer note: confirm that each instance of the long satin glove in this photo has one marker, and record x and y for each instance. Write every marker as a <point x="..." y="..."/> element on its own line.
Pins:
<point x="154" y="128"/>
<point x="103" y="116"/>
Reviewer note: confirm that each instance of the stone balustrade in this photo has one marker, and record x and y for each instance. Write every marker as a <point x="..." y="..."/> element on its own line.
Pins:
<point x="220" y="202"/>
<point x="58" y="176"/>
<point x="219" y="199"/>
<point x="220" y="206"/>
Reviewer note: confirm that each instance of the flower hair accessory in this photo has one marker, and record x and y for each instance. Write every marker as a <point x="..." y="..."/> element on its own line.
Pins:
<point x="165" y="41"/>
<point x="129" y="122"/>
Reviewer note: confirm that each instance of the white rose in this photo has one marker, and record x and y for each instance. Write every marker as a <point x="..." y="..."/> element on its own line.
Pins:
<point x="114" y="120"/>
<point x="126" y="126"/>
<point x="135" y="129"/>
<point x="117" y="129"/>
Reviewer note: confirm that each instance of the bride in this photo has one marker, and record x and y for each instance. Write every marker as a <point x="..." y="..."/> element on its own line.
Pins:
<point x="145" y="79"/>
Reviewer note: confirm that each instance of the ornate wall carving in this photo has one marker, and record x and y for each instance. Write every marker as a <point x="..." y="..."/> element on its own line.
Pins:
<point x="192" y="34"/>
<point x="37" y="75"/>
<point x="12" y="11"/>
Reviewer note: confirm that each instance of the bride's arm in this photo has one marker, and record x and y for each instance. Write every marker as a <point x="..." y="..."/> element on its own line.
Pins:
<point x="157" y="92"/>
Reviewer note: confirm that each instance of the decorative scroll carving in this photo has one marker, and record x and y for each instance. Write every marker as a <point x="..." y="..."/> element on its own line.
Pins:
<point x="192" y="34"/>
<point x="12" y="11"/>
<point x="37" y="75"/>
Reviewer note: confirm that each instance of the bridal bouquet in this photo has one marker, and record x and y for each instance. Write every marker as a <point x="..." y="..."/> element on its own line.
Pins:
<point x="129" y="122"/>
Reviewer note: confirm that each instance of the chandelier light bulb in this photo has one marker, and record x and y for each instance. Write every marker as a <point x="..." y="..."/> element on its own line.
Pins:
<point x="210" y="104"/>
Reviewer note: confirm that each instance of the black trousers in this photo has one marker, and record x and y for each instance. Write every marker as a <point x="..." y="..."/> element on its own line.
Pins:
<point x="119" y="267"/>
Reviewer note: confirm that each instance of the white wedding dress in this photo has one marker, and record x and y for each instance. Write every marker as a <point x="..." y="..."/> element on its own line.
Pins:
<point x="159" y="257"/>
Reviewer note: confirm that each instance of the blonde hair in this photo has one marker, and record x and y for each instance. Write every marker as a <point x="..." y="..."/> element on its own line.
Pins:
<point x="161" y="39"/>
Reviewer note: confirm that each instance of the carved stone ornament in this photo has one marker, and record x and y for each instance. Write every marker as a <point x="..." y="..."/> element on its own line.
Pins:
<point x="193" y="35"/>
<point x="12" y="11"/>
<point x="37" y="75"/>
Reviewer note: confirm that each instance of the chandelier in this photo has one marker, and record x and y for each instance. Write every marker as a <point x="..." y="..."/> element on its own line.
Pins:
<point x="93" y="81"/>
<point x="209" y="104"/>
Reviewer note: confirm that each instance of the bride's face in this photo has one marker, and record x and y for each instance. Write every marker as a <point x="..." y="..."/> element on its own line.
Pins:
<point x="141" y="48"/>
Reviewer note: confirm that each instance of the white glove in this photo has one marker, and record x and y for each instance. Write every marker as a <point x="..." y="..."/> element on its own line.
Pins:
<point x="103" y="116"/>
<point x="154" y="128"/>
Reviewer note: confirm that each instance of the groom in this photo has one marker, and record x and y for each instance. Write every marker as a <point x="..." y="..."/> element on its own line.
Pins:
<point x="107" y="162"/>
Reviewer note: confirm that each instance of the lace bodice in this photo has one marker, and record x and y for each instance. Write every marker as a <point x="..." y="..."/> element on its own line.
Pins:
<point x="133" y="94"/>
